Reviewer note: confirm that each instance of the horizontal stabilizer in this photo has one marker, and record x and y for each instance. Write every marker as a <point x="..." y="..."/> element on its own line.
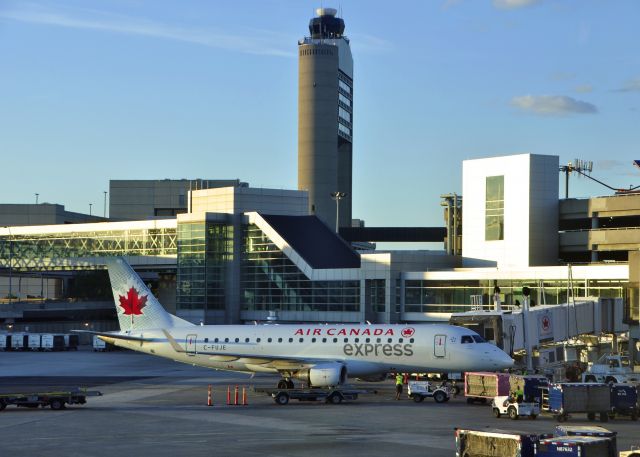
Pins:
<point x="115" y="336"/>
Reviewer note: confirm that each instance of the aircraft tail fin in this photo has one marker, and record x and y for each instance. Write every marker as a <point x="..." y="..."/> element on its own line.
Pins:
<point x="136" y="306"/>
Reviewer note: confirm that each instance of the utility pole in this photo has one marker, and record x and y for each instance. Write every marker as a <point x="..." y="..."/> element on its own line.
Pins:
<point x="337" y="196"/>
<point x="104" y="212"/>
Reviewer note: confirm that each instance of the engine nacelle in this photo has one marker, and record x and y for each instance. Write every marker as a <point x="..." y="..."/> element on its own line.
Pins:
<point x="324" y="374"/>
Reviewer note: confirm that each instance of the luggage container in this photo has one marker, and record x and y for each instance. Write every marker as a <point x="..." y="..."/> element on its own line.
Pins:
<point x="574" y="446"/>
<point x="71" y="342"/>
<point x="5" y="342"/>
<point x="564" y="399"/>
<point x="51" y="342"/>
<point x="495" y="443"/>
<point x="20" y="341"/>
<point x="98" y="344"/>
<point x="624" y="401"/>
<point x="34" y="343"/>
<point x="531" y="385"/>
<point x="483" y="386"/>
<point x="589" y="430"/>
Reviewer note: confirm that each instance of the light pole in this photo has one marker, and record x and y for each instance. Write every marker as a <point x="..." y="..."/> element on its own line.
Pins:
<point x="104" y="212"/>
<point x="90" y="205"/>
<point x="37" y="195"/>
<point x="337" y="196"/>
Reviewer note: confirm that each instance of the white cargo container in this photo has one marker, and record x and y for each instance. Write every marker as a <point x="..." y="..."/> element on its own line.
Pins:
<point x="3" y="342"/>
<point x="34" y="343"/>
<point x="98" y="344"/>
<point x="19" y="341"/>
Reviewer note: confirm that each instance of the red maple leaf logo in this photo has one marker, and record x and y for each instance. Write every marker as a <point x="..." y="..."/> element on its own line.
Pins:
<point x="407" y="332"/>
<point x="133" y="303"/>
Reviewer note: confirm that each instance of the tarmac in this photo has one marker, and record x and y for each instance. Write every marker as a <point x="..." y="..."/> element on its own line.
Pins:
<point x="156" y="407"/>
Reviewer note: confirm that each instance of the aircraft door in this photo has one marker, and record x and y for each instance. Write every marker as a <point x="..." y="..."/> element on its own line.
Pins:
<point x="191" y="344"/>
<point x="440" y="345"/>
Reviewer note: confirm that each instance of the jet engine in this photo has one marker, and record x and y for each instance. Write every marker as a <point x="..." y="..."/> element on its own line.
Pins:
<point x="324" y="374"/>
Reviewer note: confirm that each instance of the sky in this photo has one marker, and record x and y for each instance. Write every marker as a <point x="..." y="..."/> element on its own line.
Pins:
<point x="152" y="89"/>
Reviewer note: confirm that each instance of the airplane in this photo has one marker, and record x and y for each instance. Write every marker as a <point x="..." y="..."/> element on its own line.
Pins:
<point x="319" y="355"/>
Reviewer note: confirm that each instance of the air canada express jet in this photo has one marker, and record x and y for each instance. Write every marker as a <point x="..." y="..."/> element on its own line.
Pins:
<point x="319" y="355"/>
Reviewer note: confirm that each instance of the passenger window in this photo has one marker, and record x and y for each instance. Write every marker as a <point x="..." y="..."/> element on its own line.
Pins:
<point x="324" y="340"/>
<point x="206" y="340"/>
<point x="335" y="340"/>
<point x="346" y="340"/>
<point x="279" y="340"/>
<point x="379" y="340"/>
<point x="367" y="340"/>
<point x="466" y="339"/>
<point x="269" y="340"/>
<point x="313" y="340"/>
<point x="400" y="340"/>
<point x="301" y="340"/>
<point x="237" y="340"/>
<point x="216" y="340"/>
<point x="290" y="340"/>
<point x="390" y="340"/>
<point x="226" y="340"/>
<point x="357" y="340"/>
<point x="257" y="340"/>
<point x="246" y="340"/>
<point x="478" y="339"/>
<point x="411" y="340"/>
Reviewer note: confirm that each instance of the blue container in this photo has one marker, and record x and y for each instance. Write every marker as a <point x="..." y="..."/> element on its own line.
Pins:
<point x="532" y="385"/>
<point x="589" y="398"/>
<point x="589" y="430"/>
<point x="574" y="446"/>
<point x="624" y="400"/>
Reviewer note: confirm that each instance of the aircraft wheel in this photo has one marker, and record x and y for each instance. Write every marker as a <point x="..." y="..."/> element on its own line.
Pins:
<point x="496" y="413"/>
<point x="439" y="397"/>
<point x="282" y="399"/>
<point x="590" y="379"/>
<point x="56" y="404"/>
<point x="512" y="412"/>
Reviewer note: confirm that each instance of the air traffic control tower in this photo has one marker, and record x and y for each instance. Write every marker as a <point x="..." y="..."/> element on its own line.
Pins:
<point x="325" y="118"/>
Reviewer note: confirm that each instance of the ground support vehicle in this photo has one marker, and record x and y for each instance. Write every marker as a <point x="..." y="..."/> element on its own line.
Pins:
<point x="495" y="443"/>
<point x="483" y="386"/>
<point x="505" y="405"/>
<point x="419" y="390"/>
<point x="633" y="452"/>
<point x="565" y="399"/>
<point x="55" y="400"/>
<point x="624" y="401"/>
<point x="530" y="385"/>
<point x="611" y="368"/>
<point x="328" y="395"/>
<point x="589" y="430"/>
<point x="574" y="446"/>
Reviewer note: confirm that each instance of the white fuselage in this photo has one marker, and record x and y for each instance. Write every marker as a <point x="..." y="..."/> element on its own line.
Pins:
<point x="362" y="349"/>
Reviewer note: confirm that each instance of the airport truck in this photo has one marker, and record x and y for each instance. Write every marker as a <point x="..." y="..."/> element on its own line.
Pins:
<point x="506" y="405"/>
<point x="419" y="390"/>
<point x="611" y="368"/>
<point x="55" y="400"/>
<point x="495" y="443"/>
<point x="328" y="395"/>
<point x="563" y="399"/>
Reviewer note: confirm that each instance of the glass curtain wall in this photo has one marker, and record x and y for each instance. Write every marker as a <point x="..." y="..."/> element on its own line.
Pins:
<point x="423" y="296"/>
<point x="494" y="208"/>
<point x="270" y="281"/>
<point x="204" y="252"/>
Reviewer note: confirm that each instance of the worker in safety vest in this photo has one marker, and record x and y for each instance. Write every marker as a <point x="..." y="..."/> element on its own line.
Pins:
<point x="518" y="394"/>
<point x="399" y="382"/>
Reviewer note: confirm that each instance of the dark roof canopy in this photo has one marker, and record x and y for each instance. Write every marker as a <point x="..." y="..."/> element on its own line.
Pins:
<point x="316" y="243"/>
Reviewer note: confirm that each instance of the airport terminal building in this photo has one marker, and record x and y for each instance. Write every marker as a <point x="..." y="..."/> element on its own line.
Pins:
<point x="240" y="254"/>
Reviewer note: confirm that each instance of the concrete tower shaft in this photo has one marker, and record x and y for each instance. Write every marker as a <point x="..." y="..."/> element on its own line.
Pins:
<point x="325" y="118"/>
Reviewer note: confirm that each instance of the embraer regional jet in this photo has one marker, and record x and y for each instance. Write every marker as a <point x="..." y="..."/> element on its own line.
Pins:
<point x="319" y="355"/>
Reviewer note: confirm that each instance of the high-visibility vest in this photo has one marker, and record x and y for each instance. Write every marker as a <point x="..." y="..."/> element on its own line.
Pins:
<point x="399" y="379"/>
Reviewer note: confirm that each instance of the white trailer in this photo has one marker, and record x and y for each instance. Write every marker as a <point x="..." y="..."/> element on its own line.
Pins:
<point x="34" y="343"/>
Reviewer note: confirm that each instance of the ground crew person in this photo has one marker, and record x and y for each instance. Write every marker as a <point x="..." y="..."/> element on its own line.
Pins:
<point x="399" y="382"/>
<point x="519" y="394"/>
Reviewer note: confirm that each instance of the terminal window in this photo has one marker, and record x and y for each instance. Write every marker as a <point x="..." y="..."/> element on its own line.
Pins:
<point x="494" y="208"/>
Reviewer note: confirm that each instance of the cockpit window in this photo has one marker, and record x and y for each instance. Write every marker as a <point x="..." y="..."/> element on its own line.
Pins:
<point x="466" y="339"/>
<point x="478" y="339"/>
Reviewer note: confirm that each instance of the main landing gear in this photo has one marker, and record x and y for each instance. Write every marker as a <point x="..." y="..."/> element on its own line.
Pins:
<point x="285" y="383"/>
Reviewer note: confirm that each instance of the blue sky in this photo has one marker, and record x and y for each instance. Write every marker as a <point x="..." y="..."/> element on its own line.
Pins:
<point x="152" y="89"/>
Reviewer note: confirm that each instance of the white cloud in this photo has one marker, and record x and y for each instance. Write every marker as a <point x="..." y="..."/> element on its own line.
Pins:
<point x="584" y="88"/>
<point x="254" y="42"/>
<point x="513" y="4"/>
<point x="632" y="85"/>
<point x="552" y="105"/>
<point x="363" y="42"/>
